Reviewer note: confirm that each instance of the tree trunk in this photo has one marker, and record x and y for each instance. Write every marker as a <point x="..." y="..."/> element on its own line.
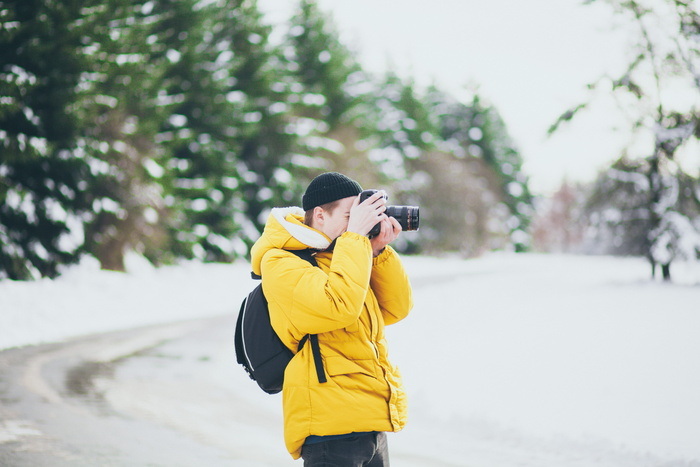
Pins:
<point x="666" y="271"/>
<point x="111" y="256"/>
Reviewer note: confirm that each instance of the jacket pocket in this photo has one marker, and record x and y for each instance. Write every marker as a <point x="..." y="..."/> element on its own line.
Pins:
<point x="337" y="366"/>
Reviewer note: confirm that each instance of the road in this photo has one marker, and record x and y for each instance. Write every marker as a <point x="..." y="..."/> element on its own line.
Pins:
<point x="583" y="357"/>
<point x="155" y="396"/>
<point x="167" y="395"/>
<point x="172" y="396"/>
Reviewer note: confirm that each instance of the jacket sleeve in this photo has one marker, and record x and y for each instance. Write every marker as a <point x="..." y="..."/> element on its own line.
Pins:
<point x="315" y="301"/>
<point x="391" y="286"/>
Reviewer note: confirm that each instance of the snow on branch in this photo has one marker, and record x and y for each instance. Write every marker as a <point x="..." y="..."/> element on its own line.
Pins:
<point x="675" y="135"/>
<point x="676" y="237"/>
<point x="640" y="182"/>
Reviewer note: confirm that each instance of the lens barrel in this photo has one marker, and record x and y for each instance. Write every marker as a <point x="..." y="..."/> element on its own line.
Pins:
<point x="408" y="216"/>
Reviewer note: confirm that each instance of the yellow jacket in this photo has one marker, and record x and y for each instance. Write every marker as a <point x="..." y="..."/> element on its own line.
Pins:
<point x="347" y="301"/>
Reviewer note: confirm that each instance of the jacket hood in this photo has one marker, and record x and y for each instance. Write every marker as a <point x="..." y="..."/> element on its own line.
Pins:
<point x="285" y="229"/>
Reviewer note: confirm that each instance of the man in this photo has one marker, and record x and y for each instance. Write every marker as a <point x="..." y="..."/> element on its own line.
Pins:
<point x="359" y="286"/>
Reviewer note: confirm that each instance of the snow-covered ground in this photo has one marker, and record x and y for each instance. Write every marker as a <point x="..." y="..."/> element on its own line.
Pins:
<point x="531" y="360"/>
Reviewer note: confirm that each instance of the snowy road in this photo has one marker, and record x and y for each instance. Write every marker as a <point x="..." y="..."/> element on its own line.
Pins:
<point x="160" y="396"/>
<point x="527" y="361"/>
<point x="54" y="410"/>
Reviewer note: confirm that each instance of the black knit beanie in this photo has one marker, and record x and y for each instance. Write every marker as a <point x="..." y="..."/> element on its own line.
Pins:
<point x="329" y="187"/>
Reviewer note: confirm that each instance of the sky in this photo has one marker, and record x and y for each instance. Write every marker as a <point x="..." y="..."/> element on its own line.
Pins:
<point x="532" y="60"/>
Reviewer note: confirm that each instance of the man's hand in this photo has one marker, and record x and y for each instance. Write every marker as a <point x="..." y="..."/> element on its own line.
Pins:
<point x="390" y="232"/>
<point x="364" y="216"/>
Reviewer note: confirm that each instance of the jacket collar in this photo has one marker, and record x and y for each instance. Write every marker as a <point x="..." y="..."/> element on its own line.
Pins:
<point x="303" y="233"/>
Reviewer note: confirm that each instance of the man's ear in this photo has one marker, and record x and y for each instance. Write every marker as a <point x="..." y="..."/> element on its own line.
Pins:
<point x="319" y="216"/>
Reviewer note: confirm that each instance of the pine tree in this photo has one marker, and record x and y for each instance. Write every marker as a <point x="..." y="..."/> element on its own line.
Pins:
<point x="196" y="134"/>
<point x="263" y="141"/>
<point x="323" y="65"/>
<point x="499" y="152"/>
<point x="476" y="130"/>
<point x="328" y="98"/>
<point x="403" y="137"/>
<point x="42" y="181"/>
<point x="121" y="115"/>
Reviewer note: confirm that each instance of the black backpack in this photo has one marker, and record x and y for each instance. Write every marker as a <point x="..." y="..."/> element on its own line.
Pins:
<point x="258" y="348"/>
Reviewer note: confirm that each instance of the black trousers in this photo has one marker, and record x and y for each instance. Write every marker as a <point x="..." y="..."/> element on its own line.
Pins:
<point x="365" y="450"/>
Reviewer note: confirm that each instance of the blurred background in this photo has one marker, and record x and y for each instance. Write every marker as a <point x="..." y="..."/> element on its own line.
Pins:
<point x="170" y="128"/>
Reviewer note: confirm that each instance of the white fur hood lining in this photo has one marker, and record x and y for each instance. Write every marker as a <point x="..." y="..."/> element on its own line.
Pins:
<point x="305" y="235"/>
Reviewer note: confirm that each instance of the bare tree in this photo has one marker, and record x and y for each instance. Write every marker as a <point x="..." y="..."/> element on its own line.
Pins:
<point x="664" y="64"/>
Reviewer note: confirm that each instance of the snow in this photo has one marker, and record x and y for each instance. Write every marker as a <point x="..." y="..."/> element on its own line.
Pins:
<point x="532" y="360"/>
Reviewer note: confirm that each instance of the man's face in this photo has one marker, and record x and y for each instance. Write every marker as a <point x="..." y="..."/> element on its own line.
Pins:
<point x="336" y="221"/>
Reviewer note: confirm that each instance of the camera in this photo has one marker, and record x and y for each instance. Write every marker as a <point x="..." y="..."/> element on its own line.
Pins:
<point x="406" y="215"/>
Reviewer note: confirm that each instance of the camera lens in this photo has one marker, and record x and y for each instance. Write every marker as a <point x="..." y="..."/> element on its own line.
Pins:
<point x="408" y="216"/>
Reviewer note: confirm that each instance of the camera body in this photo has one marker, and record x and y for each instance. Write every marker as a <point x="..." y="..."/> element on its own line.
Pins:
<point x="408" y="216"/>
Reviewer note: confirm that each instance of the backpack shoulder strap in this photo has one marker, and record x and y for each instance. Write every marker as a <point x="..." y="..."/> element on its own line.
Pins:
<point x="313" y="338"/>
<point x="307" y="255"/>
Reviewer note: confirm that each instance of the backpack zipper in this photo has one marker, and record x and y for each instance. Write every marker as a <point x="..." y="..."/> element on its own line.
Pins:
<point x="245" y="347"/>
